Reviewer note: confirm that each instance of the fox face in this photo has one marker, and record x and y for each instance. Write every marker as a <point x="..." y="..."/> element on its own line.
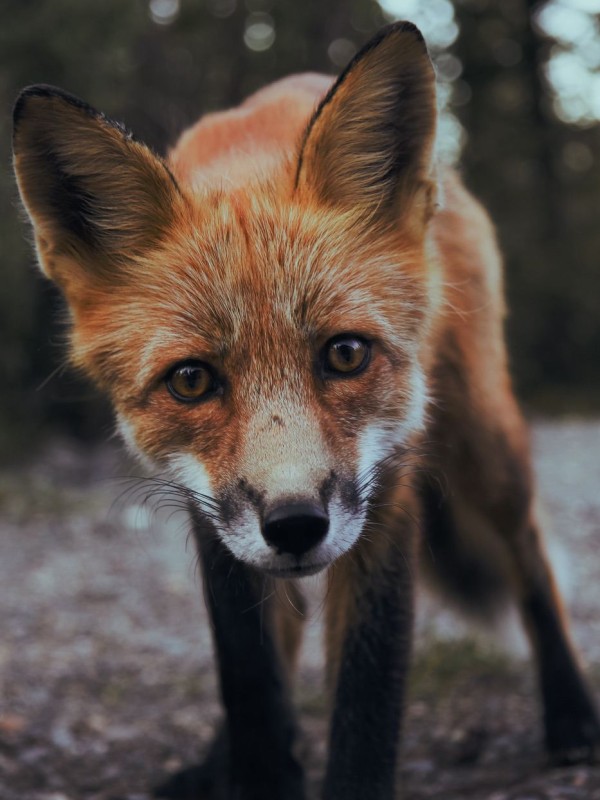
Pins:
<point x="263" y="344"/>
<point x="276" y="380"/>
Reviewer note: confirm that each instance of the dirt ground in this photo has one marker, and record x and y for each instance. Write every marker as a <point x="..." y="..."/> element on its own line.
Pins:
<point x="106" y="658"/>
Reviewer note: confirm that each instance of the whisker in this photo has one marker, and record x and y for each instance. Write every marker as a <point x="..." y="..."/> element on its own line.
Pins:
<point x="262" y="600"/>
<point x="290" y="601"/>
<point x="158" y="493"/>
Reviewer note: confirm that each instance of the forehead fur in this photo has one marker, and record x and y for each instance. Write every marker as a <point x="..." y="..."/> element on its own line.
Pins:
<point x="245" y="268"/>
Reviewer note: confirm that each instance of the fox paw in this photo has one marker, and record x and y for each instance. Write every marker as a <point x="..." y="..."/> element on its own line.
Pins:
<point x="199" y="782"/>
<point x="575" y="742"/>
<point x="205" y="781"/>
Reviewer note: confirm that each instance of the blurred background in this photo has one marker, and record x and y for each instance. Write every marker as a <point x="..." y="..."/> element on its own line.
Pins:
<point x="519" y="89"/>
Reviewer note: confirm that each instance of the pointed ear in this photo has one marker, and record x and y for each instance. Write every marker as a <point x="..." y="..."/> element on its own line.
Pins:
<point x="96" y="198"/>
<point x="369" y="145"/>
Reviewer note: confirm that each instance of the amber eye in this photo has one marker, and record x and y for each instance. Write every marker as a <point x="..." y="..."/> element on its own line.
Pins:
<point x="346" y="355"/>
<point x="191" y="381"/>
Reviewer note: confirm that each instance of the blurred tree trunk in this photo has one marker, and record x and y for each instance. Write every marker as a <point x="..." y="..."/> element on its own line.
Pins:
<point x="512" y="161"/>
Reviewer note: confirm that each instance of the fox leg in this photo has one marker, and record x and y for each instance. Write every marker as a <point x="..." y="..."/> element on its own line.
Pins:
<point x="483" y="534"/>
<point x="369" y="632"/>
<point x="572" y="725"/>
<point x="253" y="755"/>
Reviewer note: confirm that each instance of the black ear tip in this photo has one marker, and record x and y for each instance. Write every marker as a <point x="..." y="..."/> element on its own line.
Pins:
<point x="42" y="90"/>
<point x="405" y="27"/>
<point x="38" y="90"/>
<point x="409" y="27"/>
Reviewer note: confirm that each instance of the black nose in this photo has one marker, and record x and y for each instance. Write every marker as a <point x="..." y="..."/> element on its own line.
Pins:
<point x="295" y="527"/>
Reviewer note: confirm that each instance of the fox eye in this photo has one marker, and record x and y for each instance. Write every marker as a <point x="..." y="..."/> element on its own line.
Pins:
<point x="346" y="355"/>
<point x="191" y="381"/>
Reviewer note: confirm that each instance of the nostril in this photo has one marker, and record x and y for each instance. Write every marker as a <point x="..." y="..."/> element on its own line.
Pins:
<point x="295" y="527"/>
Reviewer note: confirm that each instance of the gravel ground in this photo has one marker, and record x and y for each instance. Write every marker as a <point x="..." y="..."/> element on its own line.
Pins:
<point x="106" y="658"/>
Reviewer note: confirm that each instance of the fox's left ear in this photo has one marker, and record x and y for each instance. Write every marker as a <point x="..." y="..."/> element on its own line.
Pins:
<point x="369" y="145"/>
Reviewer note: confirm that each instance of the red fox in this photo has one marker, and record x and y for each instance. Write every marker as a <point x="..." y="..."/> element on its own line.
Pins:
<point x="299" y="321"/>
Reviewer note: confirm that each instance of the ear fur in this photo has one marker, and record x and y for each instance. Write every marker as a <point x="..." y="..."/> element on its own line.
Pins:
<point x="96" y="198"/>
<point x="369" y="144"/>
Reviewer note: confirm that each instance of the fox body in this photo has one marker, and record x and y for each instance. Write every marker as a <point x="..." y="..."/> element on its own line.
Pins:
<point x="299" y="323"/>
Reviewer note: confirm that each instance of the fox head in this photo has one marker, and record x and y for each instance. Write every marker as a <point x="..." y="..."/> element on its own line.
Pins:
<point x="261" y="344"/>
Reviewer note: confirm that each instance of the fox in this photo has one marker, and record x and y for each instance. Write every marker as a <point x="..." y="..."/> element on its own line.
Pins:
<point x="298" y="317"/>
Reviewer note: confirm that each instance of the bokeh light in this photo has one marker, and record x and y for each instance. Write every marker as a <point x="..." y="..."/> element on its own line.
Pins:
<point x="341" y="51"/>
<point x="222" y="8"/>
<point x="259" y="34"/>
<point x="437" y="23"/>
<point x="574" y="63"/>
<point x="435" y="19"/>
<point x="164" y="12"/>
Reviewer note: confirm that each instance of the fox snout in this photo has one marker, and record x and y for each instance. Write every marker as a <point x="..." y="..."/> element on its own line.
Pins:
<point x="287" y="532"/>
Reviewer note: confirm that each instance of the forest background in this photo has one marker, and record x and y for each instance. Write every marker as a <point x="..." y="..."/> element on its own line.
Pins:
<point x="519" y="89"/>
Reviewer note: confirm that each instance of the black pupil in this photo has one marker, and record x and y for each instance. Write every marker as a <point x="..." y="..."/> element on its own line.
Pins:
<point x="347" y="351"/>
<point x="192" y="377"/>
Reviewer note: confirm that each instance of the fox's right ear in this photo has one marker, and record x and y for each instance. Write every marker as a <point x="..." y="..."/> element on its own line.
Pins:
<point x="96" y="198"/>
<point x="368" y="147"/>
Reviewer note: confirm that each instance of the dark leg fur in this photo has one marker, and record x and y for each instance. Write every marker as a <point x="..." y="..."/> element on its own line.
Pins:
<point x="253" y="758"/>
<point x="370" y="629"/>
<point x="463" y="571"/>
<point x="571" y="720"/>
<point x="488" y="493"/>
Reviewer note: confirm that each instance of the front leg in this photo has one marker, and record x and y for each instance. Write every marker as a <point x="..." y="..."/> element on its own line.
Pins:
<point x="259" y="726"/>
<point x="370" y="618"/>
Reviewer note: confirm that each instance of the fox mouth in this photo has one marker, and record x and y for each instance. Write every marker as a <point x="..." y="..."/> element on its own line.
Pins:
<point x="296" y="571"/>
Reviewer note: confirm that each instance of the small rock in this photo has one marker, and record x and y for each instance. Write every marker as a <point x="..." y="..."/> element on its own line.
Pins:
<point x="172" y="764"/>
<point x="580" y="778"/>
<point x="53" y="796"/>
<point x="12" y="724"/>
